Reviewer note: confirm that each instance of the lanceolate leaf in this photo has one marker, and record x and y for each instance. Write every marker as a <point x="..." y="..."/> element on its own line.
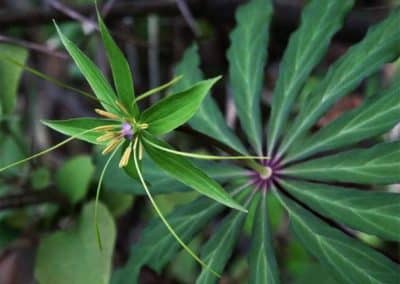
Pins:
<point x="376" y="116"/>
<point x="208" y="119"/>
<point x="218" y="249"/>
<point x="10" y="75"/>
<point x="247" y="57"/>
<point x="159" y="181"/>
<point x="157" y="246"/>
<point x="377" y="165"/>
<point x="380" y="45"/>
<point x="75" y="126"/>
<point x="376" y="213"/>
<point x="262" y="262"/>
<point x="349" y="260"/>
<point x="177" y="109"/>
<point x="320" y="20"/>
<point x="93" y="75"/>
<point x="184" y="171"/>
<point x="120" y="69"/>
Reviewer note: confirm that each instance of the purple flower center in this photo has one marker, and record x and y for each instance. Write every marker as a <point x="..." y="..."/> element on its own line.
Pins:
<point x="127" y="131"/>
<point x="264" y="181"/>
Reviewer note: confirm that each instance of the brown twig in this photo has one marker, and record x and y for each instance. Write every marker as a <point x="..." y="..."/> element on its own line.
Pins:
<point x="187" y="15"/>
<point x="88" y="24"/>
<point x="33" y="46"/>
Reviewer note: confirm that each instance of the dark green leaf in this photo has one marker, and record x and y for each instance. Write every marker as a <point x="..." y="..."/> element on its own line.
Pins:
<point x="184" y="171"/>
<point x="262" y="262"/>
<point x="73" y="178"/>
<point x="157" y="246"/>
<point x="93" y="75"/>
<point x="40" y="178"/>
<point x="376" y="165"/>
<point x="376" y="213"/>
<point x="376" y="116"/>
<point x="75" y="126"/>
<point x="208" y="119"/>
<point x="177" y="109"/>
<point x="120" y="69"/>
<point x="218" y="249"/>
<point x="349" y="260"/>
<point x="159" y="181"/>
<point x="10" y="75"/>
<point x="319" y="22"/>
<point x="380" y="45"/>
<point x="73" y="256"/>
<point x="247" y="57"/>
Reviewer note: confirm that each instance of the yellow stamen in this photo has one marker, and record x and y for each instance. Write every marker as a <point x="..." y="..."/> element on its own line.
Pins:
<point x="113" y="144"/>
<point x="143" y="126"/>
<point x="106" y="114"/>
<point x="106" y="137"/>
<point x="140" y="151"/>
<point x="125" y="157"/>
<point x="106" y="127"/>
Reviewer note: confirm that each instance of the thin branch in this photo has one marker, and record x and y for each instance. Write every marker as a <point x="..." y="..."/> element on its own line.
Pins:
<point x="90" y="25"/>
<point x="107" y="8"/>
<point x="33" y="46"/>
<point x="187" y="15"/>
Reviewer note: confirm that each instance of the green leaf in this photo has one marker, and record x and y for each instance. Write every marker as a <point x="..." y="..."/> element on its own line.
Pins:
<point x="319" y="22"/>
<point x="219" y="247"/>
<point x="247" y="57"/>
<point x="157" y="246"/>
<point x="184" y="171"/>
<point x="262" y="262"/>
<point x="40" y="178"/>
<point x="313" y="273"/>
<point x="10" y="151"/>
<point x="208" y="119"/>
<point x="116" y="180"/>
<point x="120" y="69"/>
<point x="380" y="45"/>
<point x="75" y="126"/>
<point x="93" y="75"/>
<point x="73" y="256"/>
<point x="177" y="109"/>
<point x="349" y="260"/>
<point x="376" y="165"/>
<point x="117" y="203"/>
<point x="10" y="76"/>
<point x="375" y="117"/>
<point x="376" y="213"/>
<point x="73" y="178"/>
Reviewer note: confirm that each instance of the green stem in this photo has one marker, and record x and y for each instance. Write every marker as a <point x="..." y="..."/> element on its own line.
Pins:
<point x="161" y="215"/>
<point x="262" y="170"/>
<point x="103" y="172"/>
<point x="158" y="89"/>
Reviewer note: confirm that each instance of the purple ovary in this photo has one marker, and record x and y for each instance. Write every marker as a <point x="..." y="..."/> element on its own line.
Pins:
<point x="263" y="182"/>
<point x="127" y="131"/>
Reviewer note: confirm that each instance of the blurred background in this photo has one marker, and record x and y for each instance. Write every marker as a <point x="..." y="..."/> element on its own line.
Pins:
<point x="153" y="35"/>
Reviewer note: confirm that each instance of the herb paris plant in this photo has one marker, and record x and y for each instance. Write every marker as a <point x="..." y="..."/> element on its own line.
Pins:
<point x="327" y="183"/>
<point x="124" y="126"/>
